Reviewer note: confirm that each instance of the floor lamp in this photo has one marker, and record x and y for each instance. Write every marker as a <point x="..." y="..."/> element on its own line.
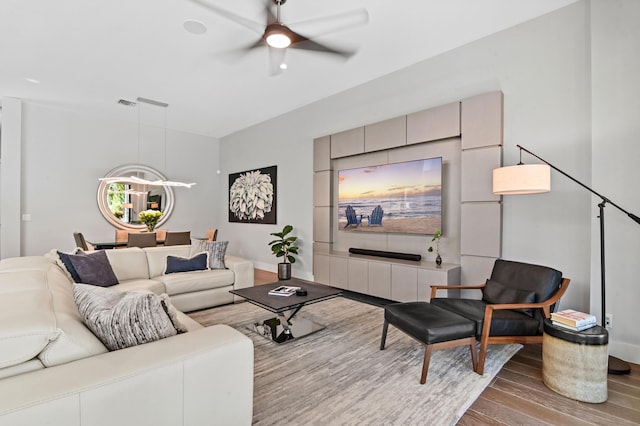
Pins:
<point x="536" y="178"/>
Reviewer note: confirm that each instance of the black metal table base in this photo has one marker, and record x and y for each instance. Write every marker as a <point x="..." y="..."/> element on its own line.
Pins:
<point x="280" y="330"/>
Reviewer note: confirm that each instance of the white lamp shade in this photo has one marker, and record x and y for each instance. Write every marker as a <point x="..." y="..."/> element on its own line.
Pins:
<point x="522" y="179"/>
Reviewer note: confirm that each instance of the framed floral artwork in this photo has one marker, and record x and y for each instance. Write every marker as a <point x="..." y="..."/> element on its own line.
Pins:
<point x="252" y="196"/>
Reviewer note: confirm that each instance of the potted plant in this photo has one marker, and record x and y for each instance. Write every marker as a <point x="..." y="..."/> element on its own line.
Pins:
<point x="436" y="238"/>
<point x="283" y="247"/>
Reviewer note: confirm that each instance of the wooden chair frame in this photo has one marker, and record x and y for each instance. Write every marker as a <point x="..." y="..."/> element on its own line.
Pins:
<point x="486" y="339"/>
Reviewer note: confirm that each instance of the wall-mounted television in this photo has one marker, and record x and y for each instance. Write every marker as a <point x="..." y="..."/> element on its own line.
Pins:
<point x="398" y="197"/>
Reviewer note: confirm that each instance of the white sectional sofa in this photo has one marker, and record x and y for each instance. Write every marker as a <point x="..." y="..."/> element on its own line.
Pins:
<point x="54" y="371"/>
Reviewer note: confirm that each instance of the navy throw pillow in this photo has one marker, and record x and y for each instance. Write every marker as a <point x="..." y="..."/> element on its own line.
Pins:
<point x="199" y="262"/>
<point x="65" y="258"/>
<point x="94" y="269"/>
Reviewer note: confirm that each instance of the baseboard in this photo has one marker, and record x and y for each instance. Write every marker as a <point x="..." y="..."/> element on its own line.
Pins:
<point x="625" y="351"/>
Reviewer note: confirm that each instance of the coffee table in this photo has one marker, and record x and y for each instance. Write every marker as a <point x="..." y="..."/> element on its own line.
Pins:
<point x="286" y="324"/>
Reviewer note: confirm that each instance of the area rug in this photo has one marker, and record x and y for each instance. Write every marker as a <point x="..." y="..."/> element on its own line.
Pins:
<point x="339" y="376"/>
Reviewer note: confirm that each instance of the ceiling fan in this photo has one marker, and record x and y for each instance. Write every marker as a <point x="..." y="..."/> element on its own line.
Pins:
<point x="278" y="37"/>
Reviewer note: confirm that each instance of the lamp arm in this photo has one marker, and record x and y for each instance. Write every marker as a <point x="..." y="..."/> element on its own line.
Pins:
<point x="604" y="199"/>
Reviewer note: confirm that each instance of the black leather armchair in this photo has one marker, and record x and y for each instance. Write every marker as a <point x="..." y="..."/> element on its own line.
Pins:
<point x="515" y="301"/>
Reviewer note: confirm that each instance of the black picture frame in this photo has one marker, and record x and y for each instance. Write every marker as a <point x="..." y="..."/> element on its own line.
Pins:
<point x="253" y="196"/>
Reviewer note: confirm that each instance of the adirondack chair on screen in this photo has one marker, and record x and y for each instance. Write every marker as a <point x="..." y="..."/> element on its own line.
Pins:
<point x="376" y="216"/>
<point x="352" y="218"/>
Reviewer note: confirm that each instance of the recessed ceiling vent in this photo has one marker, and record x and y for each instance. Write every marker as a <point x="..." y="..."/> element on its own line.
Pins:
<point x="127" y="103"/>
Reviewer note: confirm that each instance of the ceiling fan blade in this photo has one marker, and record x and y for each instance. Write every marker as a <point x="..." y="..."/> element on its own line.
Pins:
<point x="302" y="42"/>
<point x="247" y="23"/>
<point x="276" y="59"/>
<point x="333" y="23"/>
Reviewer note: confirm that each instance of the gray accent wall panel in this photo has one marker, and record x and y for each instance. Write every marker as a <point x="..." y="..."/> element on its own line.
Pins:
<point x="385" y="134"/>
<point x="481" y="120"/>
<point x="322" y="224"/>
<point x="478" y="122"/>
<point x="475" y="270"/>
<point x="349" y="142"/>
<point x="322" y="189"/>
<point x="481" y="229"/>
<point x="322" y="154"/>
<point x="434" y="123"/>
<point x="477" y="171"/>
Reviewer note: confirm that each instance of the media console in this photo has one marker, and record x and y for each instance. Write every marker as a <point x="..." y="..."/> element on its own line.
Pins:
<point x="394" y="279"/>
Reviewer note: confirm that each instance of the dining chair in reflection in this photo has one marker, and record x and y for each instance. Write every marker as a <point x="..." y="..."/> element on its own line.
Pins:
<point x="122" y="235"/>
<point x="211" y="234"/>
<point x="81" y="242"/>
<point x="161" y="234"/>
<point x="142" y="239"/>
<point x="177" y="238"/>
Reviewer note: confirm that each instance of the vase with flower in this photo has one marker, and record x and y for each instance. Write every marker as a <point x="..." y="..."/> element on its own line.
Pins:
<point x="150" y="218"/>
<point x="436" y="239"/>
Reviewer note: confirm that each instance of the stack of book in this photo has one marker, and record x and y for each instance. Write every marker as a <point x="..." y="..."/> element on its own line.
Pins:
<point x="284" y="290"/>
<point x="573" y="320"/>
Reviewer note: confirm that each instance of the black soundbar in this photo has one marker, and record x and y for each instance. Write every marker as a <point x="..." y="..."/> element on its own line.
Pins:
<point x="391" y="254"/>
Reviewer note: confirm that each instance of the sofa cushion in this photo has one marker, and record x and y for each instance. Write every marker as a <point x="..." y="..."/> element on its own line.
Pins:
<point x="216" y="250"/>
<point x="94" y="269"/>
<point x="197" y="262"/>
<point x="42" y="263"/>
<point x="73" y="339"/>
<point x="27" y="323"/>
<point x="129" y="263"/>
<point x="146" y="285"/>
<point x="495" y="292"/>
<point x="24" y="367"/>
<point x="188" y="282"/>
<point x="503" y="323"/>
<point x="123" y="319"/>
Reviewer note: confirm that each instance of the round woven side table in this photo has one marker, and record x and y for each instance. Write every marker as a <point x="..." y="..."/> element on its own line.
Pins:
<point x="574" y="363"/>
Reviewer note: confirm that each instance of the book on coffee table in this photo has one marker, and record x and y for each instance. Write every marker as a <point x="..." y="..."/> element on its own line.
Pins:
<point x="284" y="290"/>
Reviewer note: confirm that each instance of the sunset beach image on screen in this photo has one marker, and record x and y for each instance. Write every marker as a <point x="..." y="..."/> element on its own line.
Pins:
<point x="409" y="195"/>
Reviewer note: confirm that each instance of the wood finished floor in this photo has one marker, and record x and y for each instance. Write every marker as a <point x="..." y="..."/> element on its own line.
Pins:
<point x="517" y="395"/>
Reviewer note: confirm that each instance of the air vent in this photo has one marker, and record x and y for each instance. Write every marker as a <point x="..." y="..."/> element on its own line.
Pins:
<point x="126" y="103"/>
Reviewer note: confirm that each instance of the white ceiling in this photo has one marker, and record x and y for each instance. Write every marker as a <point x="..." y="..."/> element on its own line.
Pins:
<point x="88" y="54"/>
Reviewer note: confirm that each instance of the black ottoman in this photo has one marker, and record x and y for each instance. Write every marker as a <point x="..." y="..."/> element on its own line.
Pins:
<point x="434" y="327"/>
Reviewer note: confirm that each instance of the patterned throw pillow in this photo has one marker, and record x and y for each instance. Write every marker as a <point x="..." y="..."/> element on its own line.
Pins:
<point x="122" y="319"/>
<point x="197" y="262"/>
<point x="216" y="249"/>
<point x="92" y="268"/>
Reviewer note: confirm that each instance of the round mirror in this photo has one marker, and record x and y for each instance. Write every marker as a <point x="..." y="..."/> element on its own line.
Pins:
<point x="121" y="196"/>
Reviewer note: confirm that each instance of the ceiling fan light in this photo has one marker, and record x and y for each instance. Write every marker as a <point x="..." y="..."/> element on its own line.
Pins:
<point x="278" y="40"/>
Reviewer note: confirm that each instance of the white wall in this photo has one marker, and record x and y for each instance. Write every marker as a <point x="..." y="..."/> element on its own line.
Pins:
<point x="64" y="154"/>
<point x="543" y="67"/>
<point x="616" y="151"/>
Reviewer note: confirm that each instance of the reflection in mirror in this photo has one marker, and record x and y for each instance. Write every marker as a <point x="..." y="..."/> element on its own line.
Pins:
<point x="121" y="201"/>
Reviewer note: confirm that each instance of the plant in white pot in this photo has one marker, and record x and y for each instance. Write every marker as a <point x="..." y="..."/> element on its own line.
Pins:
<point x="283" y="247"/>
